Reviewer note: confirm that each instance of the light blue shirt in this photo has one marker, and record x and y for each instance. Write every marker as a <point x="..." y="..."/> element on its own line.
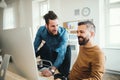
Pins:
<point x="53" y="44"/>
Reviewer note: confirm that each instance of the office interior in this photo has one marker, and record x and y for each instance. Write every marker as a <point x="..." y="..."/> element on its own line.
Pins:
<point x="28" y="13"/>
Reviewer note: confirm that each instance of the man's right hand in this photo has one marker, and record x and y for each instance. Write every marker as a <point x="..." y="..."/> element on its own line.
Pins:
<point x="46" y="73"/>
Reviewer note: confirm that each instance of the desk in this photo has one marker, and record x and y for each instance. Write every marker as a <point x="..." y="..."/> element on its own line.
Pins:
<point x="13" y="76"/>
<point x="46" y="78"/>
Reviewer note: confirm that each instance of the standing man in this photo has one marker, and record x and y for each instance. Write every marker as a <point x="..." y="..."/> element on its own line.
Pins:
<point x="90" y="62"/>
<point x="54" y="41"/>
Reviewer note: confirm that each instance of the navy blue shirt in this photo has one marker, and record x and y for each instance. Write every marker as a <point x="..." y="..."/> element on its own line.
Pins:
<point x="55" y="46"/>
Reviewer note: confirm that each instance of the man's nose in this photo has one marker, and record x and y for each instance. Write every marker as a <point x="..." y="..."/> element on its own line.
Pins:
<point x="56" y="27"/>
<point x="78" y="33"/>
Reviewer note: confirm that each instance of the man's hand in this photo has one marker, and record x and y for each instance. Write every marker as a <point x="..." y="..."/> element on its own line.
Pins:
<point x="46" y="73"/>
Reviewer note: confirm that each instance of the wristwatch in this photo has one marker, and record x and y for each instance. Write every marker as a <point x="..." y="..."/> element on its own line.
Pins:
<point x="52" y="71"/>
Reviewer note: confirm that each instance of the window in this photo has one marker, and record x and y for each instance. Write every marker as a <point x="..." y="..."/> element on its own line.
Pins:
<point x="39" y="9"/>
<point x="43" y="10"/>
<point x="112" y="29"/>
<point x="8" y="18"/>
<point x="112" y="1"/>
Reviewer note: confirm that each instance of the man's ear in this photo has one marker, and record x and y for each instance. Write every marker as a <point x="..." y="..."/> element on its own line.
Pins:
<point x="92" y="34"/>
<point x="46" y="25"/>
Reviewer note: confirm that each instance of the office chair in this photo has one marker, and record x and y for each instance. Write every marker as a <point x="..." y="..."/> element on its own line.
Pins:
<point x="44" y="64"/>
<point x="64" y="68"/>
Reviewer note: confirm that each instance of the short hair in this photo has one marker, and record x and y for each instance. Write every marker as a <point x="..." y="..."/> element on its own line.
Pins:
<point x="90" y="25"/>
<point x="50" y="16"/>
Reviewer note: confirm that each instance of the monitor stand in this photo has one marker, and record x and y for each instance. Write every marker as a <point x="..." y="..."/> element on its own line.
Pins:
<point x="4" y="66"/>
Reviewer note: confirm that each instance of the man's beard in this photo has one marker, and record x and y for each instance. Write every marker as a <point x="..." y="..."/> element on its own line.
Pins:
<point x="52" y="32"/>
<point x="84" y="40"/>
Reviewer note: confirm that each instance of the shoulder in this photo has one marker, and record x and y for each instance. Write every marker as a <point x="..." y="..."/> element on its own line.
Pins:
<point x="62" y="30"/>
<point x="99" y="51"/>
<point x="41" y="29"/>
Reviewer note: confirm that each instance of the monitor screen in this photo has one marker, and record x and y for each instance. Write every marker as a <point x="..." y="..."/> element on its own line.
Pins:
<point x="18" y="43"/>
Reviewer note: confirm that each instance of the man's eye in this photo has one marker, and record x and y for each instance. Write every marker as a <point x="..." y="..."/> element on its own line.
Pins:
<point x="78" y="31"/>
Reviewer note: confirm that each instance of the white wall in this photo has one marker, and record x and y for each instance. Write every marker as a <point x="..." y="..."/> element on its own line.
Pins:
<point x="25" y="13"/>
<point x="1" y="23"/>
<point x="22" y="10"/>
<point x="112" y="58"/>
<point x="65" y="10"/>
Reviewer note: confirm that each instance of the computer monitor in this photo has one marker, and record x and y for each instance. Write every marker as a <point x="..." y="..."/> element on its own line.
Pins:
<point x="18" y="43"/>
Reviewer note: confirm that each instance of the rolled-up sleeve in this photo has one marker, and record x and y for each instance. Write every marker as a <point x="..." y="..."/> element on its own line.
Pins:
<point x="37" y="40"/>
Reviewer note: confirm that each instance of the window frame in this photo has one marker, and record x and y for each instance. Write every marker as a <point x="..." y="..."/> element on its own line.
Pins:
<point x="38" y="18"/>
<point x="108" y="6"/>
<point x="9" y="18"/>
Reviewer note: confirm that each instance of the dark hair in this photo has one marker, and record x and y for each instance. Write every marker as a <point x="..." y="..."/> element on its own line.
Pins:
<point x="50" y="16"/>
<point x="89" y="25"/>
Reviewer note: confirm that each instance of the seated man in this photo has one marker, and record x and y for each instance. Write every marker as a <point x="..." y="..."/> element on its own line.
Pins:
<point x="52" y="40"/>
<point x="90" y="62"/>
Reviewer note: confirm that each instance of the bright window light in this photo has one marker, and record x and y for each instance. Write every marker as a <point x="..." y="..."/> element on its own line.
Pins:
<point x="8" y="18"/>
<point x="114" y="1"/>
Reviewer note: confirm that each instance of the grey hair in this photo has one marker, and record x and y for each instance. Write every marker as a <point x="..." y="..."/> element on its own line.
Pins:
<point x="90" y="25"/>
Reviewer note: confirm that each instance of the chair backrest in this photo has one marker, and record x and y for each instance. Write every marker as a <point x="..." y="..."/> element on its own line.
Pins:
<point x="4" y="66"/>
<point x="64" y="67"/>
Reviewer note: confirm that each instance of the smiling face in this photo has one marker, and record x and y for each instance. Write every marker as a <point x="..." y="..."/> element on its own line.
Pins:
<point x="83" y="35"/>
<point x="52" y="26"/>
